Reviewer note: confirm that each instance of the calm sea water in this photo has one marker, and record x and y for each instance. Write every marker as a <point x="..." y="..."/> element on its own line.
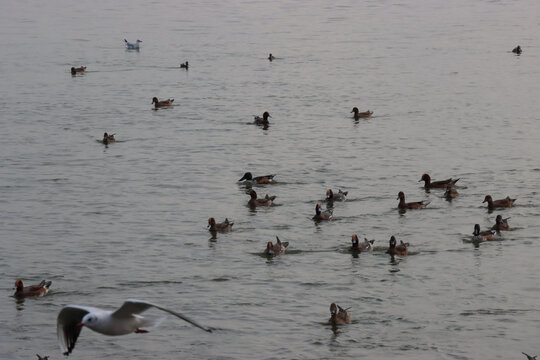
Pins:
<point x="129" y="220"/>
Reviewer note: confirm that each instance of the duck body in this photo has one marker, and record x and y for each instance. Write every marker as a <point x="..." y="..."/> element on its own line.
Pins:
<point x="450" y="192"/>
<point x="517" y="50"/>
<point x="108" y="138"/>
<point x="394" y="249"/>
<point x="33" y="290"/>
<point x="340" y="196"/>
<point x="441" y="184"/>
<point x="361" y="115"/>
<point x="501" y="224"/>
<point x="410" y="205"/>
<point x="501" y="203"/>
<point x="478" y="235"/>
<point x="133" y="46"/>
<point x="271" y="57"/>
<point x="265" y="179"/>
<point x="257" y="120"/>
<point x="254" y="201"/>
<point x="338" y="315"/>
<point x="184" y="66"/>
<point x="162" y="103"/>
<point x="224" y="226"/>
<point x="321" y="215"/>
<point x="277" y="248"/>
<point x="75" y="70"/>
<point x="367" y="245"/>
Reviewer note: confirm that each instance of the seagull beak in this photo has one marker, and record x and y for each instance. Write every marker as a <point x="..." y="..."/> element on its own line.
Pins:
<point x="80" y="324"/>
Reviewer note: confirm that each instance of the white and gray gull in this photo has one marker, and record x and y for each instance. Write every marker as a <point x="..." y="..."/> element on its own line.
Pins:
<point x="121" y="321"/>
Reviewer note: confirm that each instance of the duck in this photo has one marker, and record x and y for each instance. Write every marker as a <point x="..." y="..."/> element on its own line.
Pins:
<point x="501" y="224"/>
<point x="529" y="357"/>
<point x="75" y="70"/>
<point x="517" y="50"/>
<point x="277" y="248"/>
<point x="410" y="205"/>
<point x="501" y="203"/>
<point x="162" y="103"/>
<point x="401" y="249"/>
<point x="486" y="235"/>
<point x="42" y="357"/>
<point x="338" y="315"/>
<point x="184" y="66"/>
<point x="367" y="245"/>
<point x="257" y="120"/>
<point x="340" y="196"/>
<point x="450" y="192"/>
<point x="33" y="290"/>
<point x="108" y="138"/>
<point x="357" y="114"/>
<point x="266" y="201"/>
<point x="441" y="184"/>
<point x="220" y="227"/>
<point x="271" y="57"/>
<point x="133" y="46"/>
<point x="264" y="179"/>
<point x="322" y="215"/>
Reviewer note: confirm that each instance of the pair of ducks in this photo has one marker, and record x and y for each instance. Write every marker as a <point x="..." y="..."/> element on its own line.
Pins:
<point x="327" y="214"/>
<point x="488" y="235"/>
<point x="428" y="184"/>
<point x="33" y="290"/>
<point x="393" y="248"/>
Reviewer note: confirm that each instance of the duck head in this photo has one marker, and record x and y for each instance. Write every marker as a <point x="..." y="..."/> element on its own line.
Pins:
<point x="247" y="176"/>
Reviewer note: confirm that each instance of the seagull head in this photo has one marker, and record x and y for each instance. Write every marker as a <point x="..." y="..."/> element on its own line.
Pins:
<point x="89" y="320"/>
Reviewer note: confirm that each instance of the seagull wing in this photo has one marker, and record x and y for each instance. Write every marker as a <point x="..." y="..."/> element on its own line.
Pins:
<point x="134" y="306"/>
<point x="66" y="326"/>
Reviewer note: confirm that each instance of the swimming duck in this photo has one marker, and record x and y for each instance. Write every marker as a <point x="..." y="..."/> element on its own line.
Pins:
<point x="486" y="235"/>
<point x="162" y="103"/>
<point x="410" y="205"/>
<point x="108" y="138"/>
<point x="75" y="70"/>
<point x="42" y="357"/>
<point x="265" y="179"/>
<point x="338" y="315"/>
<point x="133" y="46"/>
<point x="529" y="357"/>
<point x="184" y="66"/>
<point x="357" y="114"/>
<point x="367" y="245"/>
<point x="517" y="50"/>
<point x="501" y="203"/>
<point x="428" y="184"/>
<point x="262" y="120"/>
<point x="277" y="248"/>
<point x="450" y="192"/>
<point x="32" y="290"/>
<point x="271" y="57"/>
<point x="221" y="227"/>
<point x="267" y="201"/>
<point x="340" y="196"/>
<point x="322" y="215"/>
<point x="401" y="249"/>
<point x="501" y="224"/>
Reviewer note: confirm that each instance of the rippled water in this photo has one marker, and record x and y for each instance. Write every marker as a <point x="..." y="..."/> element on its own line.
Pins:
<point x="129" y="220"/>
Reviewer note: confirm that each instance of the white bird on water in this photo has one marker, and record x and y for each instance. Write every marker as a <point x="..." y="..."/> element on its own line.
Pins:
<point x="121" y="321"/>
<point x="134" y="45"/>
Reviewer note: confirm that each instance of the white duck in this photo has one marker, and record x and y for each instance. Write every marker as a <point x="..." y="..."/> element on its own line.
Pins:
<point x="122" y="321"/>
<point x="133" y="46"/>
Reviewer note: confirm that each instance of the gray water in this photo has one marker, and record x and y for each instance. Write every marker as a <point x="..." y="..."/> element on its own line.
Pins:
<point x="129" y="220"/>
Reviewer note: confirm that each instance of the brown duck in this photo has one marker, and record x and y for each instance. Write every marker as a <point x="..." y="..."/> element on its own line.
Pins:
<point x="277" y="248"/>
<point x="358" y="115"/>
<point x="450" y="192"/>
<point x="367" y="245"/>
<point x="338" y="315"/>
<point x="322" y="215"/>
<point x="501" y="203"/>
<point x="266" y="201"/>
<point x="478" y="235"/>
<point x="501" y="224"/>
<point x="162" y="103"/>
<point x="220" y="227"/>
<point x="401" y="249"/>
<point x="75" y="70"/>
<point x="410" y="205"/>
<point x="340" y="196"/>
<point x="32" y="290"/>
<point x="441" y="184"/>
